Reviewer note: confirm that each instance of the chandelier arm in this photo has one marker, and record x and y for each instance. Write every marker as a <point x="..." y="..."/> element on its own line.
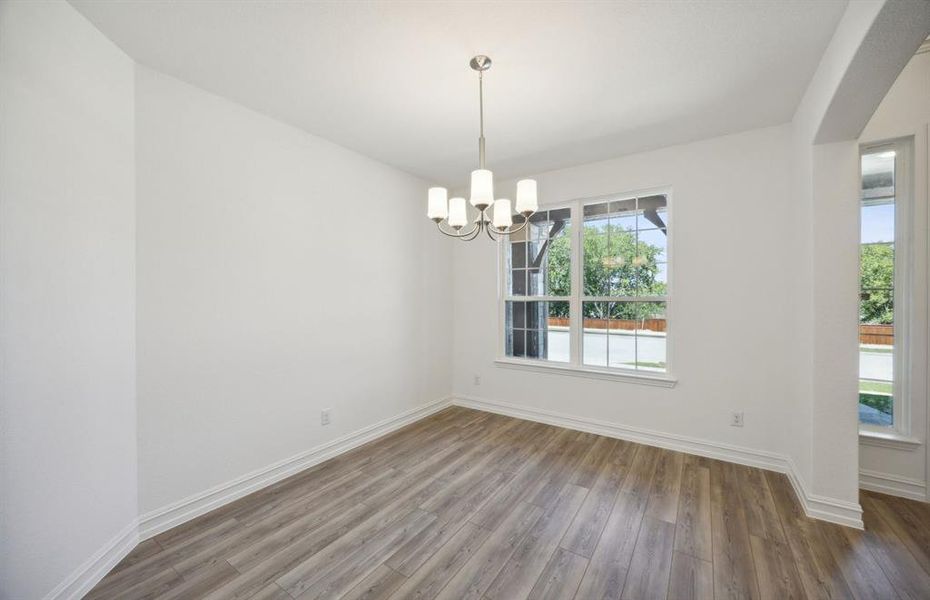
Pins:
<point x="526" y="221"/>
<point x="497" y="234"/>
<point x="457" y="235"/>
<point x="476" y="233"/>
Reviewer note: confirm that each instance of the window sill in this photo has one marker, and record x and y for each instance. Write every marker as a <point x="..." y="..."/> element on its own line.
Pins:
<point x="658" y="380"/>
<point x="890" y="439"/>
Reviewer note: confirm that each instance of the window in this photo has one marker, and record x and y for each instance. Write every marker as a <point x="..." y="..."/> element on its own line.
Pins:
<point x="625" y="283"/>
<point x="882" y="281"/>
<point x="538" y="270"/>
<point x="593" y="297"/>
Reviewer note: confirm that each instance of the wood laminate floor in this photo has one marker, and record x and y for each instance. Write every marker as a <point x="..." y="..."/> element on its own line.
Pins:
<point x="466" y="504"/>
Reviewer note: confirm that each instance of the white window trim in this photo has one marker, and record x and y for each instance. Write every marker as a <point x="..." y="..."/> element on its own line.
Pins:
<point x="886" y="437"/>
<point x="575" y="367"/>
<point x="897" y="435"/>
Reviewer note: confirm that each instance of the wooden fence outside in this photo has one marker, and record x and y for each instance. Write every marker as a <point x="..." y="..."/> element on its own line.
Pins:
<point x="868" y="334"/>
<point x="626" y="324"/>
<point x="876" y="334"/>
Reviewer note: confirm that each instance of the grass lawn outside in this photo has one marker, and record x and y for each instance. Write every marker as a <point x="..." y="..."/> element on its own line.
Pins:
<point x="882" y="387"/>
<point x="884" y="403"/>
<point x="877" y="349"/>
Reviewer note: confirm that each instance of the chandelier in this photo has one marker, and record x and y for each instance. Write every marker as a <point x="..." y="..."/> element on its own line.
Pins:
<point x="453" y="210"/>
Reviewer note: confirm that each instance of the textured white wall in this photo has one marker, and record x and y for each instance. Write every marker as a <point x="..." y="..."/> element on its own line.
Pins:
<point x="278" y="274"/>
<point x="733" y="328"/>
<point x="67" y="388"/>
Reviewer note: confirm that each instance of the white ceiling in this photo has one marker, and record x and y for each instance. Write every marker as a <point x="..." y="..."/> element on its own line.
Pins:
<point x="572" y="82"/>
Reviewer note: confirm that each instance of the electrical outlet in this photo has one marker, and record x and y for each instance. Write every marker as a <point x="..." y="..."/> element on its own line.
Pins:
<point x="736" y="419"/>
<point x="324" y="416"/>
<point x="477" y="379"/>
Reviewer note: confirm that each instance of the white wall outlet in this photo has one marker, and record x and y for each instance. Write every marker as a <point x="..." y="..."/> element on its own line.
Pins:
<point x="477" y="379"/>
<point x="736" y="419"/>
<point x="324" y="416"/>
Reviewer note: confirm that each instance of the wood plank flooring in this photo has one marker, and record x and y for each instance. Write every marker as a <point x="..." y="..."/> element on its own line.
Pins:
<point x="466" y="504"/>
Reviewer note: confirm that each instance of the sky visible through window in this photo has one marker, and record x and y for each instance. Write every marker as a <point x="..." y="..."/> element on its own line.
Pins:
<point x="878" y="224"/>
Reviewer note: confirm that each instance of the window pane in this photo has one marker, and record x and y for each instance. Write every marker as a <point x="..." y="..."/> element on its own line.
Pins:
<point x="518" y="310"/>
<point x="623" y="214"/>
<point x="532" y="344"/>
<point x="548" y="255"/>
<point x="877" y="223"/>
<point x="625" y="247"/>
<point x="535" y="282"/>
<point x="519" y="347"/>
<point x="561" y="214"/>
<point x="558" y="257"/>
<point x="518" y="282"/>
<point x="595" y="217"/>
<point x="622" y="335"/>
<point x="534" y="314"/>
<point x="876" y="290"/>
<point x="596" y="263"/>
<point x="594" y="350"/>
<point x="653" y="212"/>
<point x="557" y="332"/>
<point x="651" y="347"/>
<point x="653" y="243"/>
<point x="660" y="283"/>
<point x="620" y="271"/>
<point x="518" y="255"/>
<point x="537" y="329"/>
<point x="534" y="247"/>
<point x="539" y="226"/>
<point x="637" y="332"/>
<point x="878" y="176"/>
<point x="514" y="264"/>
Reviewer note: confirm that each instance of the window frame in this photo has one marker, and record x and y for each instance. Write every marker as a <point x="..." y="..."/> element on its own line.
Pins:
<point x="575" y="365"/>
<point x="903" y="287"/>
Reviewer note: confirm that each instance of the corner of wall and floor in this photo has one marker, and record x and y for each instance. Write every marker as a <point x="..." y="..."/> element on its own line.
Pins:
<point x="815" y="506"/>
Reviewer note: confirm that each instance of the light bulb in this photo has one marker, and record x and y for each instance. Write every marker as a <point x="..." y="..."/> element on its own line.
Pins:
<point x="502" y="217"/>
<point x="482" y="188"/>
<point x="526" y="196"/>
<point x="438" y="206"/>
<point x="457" y="216"/>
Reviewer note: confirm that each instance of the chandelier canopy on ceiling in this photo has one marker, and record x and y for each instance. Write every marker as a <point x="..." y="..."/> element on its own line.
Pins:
<point x="452" y="211"/>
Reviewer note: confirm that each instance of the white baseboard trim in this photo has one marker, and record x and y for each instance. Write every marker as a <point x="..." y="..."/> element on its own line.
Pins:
<point x="85" y="577"/>
<point x="893" y="485"/>
<point x="818" y="507"/>
<point x="163" y="519"/>
<point x="824" y="508"/>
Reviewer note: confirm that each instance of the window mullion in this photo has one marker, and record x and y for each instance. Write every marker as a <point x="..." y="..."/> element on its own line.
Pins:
<point x="577" y="269"/>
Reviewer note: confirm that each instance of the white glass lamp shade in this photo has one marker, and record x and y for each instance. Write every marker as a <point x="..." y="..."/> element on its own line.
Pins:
<point x="457" y="216"/>
<point x="502" y="217"/>
<point x="438" y="207"/>
<point x="526" y="196"/>
<point x="482" y="188"/>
